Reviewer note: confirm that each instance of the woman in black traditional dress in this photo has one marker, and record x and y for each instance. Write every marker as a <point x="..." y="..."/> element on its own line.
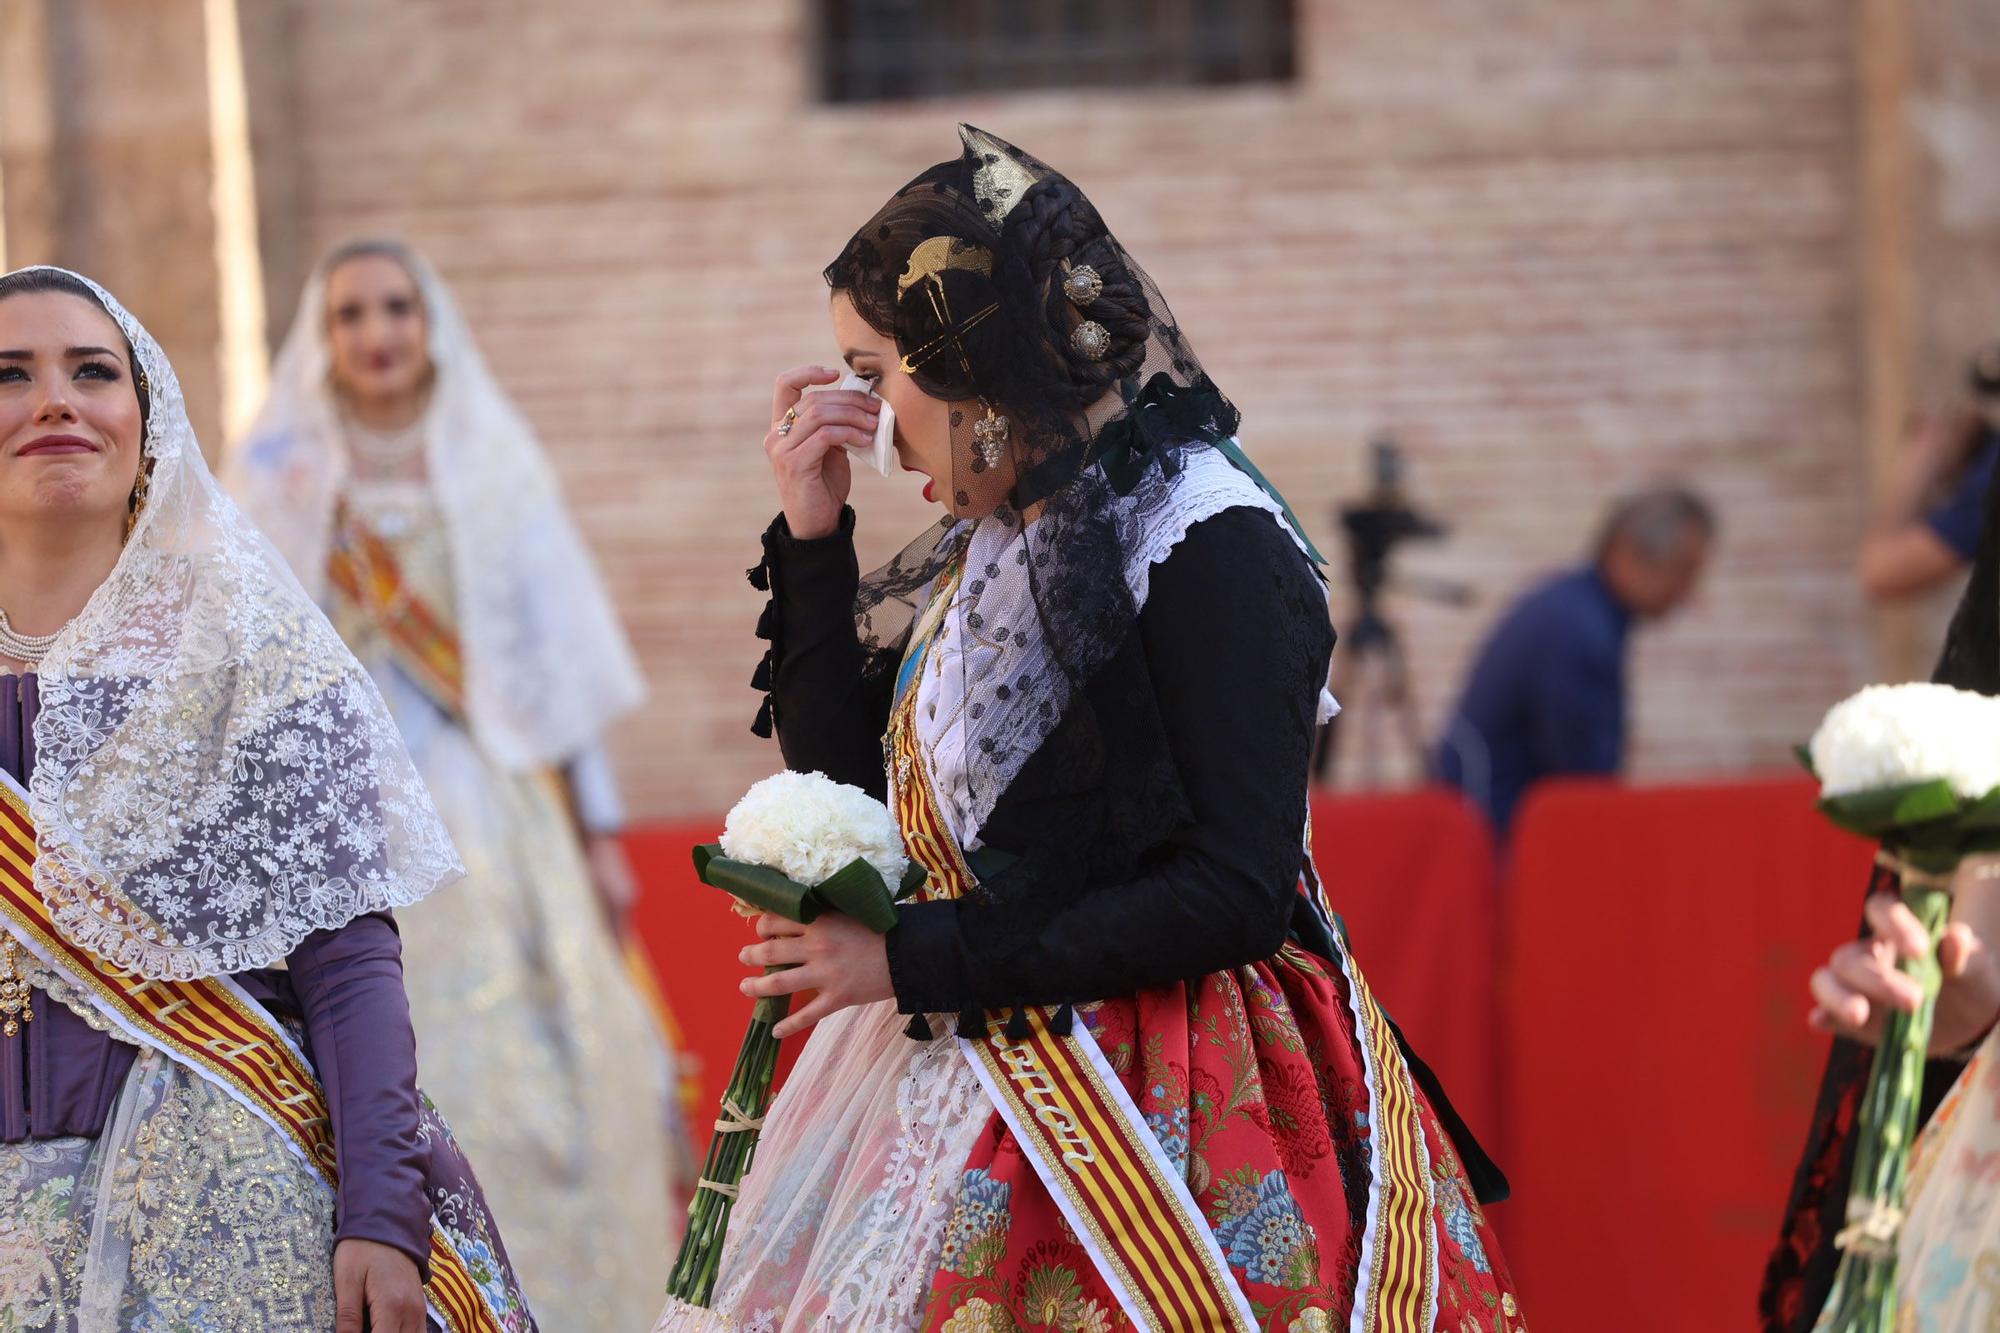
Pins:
<point x="1117" y="1067"/>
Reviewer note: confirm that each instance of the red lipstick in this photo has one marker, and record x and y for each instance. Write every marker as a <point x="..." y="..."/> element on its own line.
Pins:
<point x="930" y="482"/>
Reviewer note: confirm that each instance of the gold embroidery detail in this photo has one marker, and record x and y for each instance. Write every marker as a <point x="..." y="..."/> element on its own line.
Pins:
<point x="215" y="1222"/>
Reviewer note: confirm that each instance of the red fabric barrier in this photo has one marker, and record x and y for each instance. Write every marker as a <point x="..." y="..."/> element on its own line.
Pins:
<point x="1660" y="1071"/>
<point x="692" y="935"/>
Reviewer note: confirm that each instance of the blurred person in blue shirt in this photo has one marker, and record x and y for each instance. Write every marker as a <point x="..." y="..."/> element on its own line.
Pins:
<point x="1547" y="693"/>
<point x="1927" y="525"/>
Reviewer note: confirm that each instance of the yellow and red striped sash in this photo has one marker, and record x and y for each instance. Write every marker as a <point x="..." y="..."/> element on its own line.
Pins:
<point x="1398" y="1290"/>
<point x="216" y="1030"/>
<point x="364" y="569"/>
<point x="1124" y="1198"/>
<point x="1121" y="1194"/>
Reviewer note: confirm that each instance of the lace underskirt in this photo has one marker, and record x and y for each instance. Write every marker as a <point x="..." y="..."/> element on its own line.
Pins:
<point x="842" y="1220"/>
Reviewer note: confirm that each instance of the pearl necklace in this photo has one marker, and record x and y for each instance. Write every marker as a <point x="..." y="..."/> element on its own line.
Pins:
<point x="386" y="450"/>
<point x="29" y="648"/>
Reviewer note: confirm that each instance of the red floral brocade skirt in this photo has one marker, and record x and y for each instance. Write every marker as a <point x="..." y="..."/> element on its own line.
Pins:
<point x="1255" y="1086"/>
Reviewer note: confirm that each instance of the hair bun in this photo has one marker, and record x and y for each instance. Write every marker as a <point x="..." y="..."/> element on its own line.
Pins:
<point x="1052" y="232"/>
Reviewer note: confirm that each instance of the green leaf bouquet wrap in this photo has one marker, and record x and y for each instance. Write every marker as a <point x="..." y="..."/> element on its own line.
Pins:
<point x="1916" y="767"/>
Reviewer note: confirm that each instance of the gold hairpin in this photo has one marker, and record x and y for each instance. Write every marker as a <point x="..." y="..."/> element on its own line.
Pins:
<point x="937" y="344"/>
<point x="941" y="254"/>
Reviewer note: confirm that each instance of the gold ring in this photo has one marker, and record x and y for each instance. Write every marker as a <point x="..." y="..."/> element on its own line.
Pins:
<point x="791" y="419"/>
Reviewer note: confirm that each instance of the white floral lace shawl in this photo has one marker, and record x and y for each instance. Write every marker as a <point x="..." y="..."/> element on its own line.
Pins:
<point x="548" y="667"/>
<point x="216" y="777"/>
<point x="991" y="692"/>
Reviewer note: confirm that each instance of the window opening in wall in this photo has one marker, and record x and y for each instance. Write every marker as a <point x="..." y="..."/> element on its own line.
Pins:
<point x="881" y="50"/>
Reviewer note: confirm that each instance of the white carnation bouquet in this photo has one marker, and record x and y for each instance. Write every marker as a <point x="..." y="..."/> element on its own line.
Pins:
<point x="797" y="845"/>
<point x="810" y="828"/>
<point x="1916" y="767"/>
<point x="1909" y="739"/>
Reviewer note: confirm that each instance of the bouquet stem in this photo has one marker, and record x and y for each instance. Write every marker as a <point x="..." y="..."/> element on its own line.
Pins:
<point x="1863" y="1299"/>
<point x="744" y="1102"/>
<point x="857" y="890"/>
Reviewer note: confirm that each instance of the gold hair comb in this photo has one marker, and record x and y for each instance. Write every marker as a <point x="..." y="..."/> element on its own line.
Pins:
<point x="939" y="255"/>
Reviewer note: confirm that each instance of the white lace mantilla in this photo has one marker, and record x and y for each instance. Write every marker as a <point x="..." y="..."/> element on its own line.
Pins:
<point x="548" y="668"/>
<point x="215" y="776"/>
<point x="991" y="693"/>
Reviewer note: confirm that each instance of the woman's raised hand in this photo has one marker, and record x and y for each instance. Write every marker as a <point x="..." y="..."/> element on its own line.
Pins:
<point x="807" y="445"/>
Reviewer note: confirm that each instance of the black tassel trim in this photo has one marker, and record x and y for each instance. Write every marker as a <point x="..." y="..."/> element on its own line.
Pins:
<point x="972" y="1024"/>
<point x="1018" y="1027"/>
<point x="1064" y="1021"/>
<point x="764" y="578"/>
<point x="919" y="1028"/>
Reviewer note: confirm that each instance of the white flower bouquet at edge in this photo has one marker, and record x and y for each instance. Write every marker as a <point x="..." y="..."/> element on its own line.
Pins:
<point x="796" y="845"/>
<point x="1916" y="767"/>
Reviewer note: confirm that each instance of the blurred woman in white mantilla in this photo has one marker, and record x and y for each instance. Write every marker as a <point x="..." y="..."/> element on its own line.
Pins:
<point x="412" y="499"/>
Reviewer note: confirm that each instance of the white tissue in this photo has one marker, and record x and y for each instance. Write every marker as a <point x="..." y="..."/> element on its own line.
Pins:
<point x="881" y="451"/>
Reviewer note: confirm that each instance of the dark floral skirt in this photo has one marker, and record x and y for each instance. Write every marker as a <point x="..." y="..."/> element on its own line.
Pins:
<point x="1257" y="1088"/>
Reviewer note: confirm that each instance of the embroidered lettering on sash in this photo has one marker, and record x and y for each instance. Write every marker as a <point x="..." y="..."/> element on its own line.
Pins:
<point x="1041" y="1096"/>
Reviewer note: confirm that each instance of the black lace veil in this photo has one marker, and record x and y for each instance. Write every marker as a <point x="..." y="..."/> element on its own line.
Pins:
<point x="1072" y="388"/>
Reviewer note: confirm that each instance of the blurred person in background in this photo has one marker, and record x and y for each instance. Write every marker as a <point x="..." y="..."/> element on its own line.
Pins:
<point x="1953" y="1215"/>
<point x="1546" y="696"/>
<point x="1927" y="526"/>
<point x="413" y="500"/>
<point x="1090" y="692"/>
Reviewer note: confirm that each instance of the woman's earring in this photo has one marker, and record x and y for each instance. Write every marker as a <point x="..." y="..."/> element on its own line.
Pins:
<point x="141" y="488"/>
<point x="991" y="432"/>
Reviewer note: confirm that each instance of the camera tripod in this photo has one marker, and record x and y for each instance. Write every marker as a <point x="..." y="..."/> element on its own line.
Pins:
<point x="1371" y="675"/>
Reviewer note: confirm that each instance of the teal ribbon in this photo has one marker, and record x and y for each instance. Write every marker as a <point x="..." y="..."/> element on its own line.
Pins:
<point x="1233" y="451"/>
<point x="1164" y="410"/>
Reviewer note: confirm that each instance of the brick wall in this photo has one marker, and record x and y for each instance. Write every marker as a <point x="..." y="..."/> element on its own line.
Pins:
<point x="1954" y="205"/>
<point x="1559" y="255"/>
<point x="1559" y="251"/>
<point x="105" y="150"/>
